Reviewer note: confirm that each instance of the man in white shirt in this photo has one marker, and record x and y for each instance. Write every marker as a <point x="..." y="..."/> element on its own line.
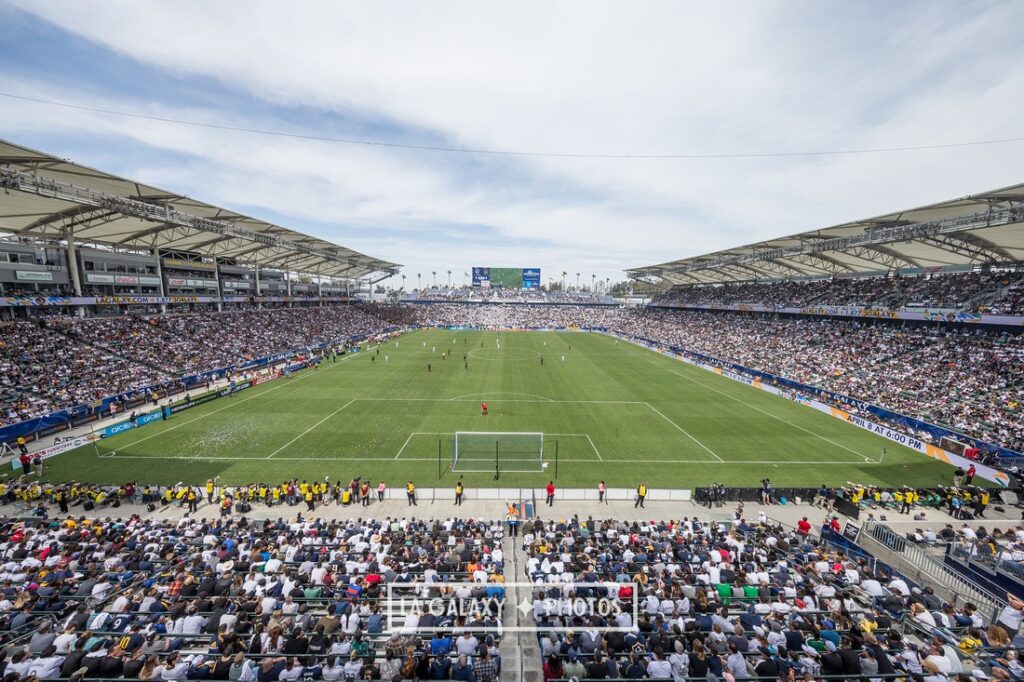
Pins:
<point x="273" y="564"/>
<point x="467" y="644"/>
<point x="872" y="587"/>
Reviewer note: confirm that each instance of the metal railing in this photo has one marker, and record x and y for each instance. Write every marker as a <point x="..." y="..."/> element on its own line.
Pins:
<point x="928" y="569"/>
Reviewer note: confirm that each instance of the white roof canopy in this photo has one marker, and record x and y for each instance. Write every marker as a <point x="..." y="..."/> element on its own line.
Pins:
<point x="981" y="229"/>
<point x="50" y="198"/>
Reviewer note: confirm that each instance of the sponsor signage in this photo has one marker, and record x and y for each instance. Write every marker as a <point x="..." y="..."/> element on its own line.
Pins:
<point x="98" y="278"/>
<point x="179" y="264"/>
<point x="127" y="424"/>
<point x="60" y="448"/>
<point x="33" y="276"/>
<point x="185" y="282"/>
<point x="193" y="402"/>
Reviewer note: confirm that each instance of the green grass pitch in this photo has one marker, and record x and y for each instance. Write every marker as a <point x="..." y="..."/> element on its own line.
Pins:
<point x="613" y="410"/>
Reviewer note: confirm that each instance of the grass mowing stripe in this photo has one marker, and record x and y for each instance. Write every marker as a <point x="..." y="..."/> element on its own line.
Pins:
<point x="688" y="434"/>
<point x="284" y="383"/>
<point x="755" y="407"/>
<point x="313" y="427"/>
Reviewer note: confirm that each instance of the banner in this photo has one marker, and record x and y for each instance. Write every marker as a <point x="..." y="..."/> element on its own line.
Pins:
<point x="178" y="264"/>
<point x="60" y="448"/>
<point x="33" y="276"/>
<point x="192" y="402"/>
<point x="127" y="424"/>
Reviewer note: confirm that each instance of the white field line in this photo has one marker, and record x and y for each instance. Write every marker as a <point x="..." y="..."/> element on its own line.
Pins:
<point x="193" y="458"/>
<point x="201" y="458"/>
<point x="762" y="411"/>
<point x="402" y="449"/>
<point x="715" y="461"/>
<point x="232" y="403"/>
<point x="599" y="458"/>
<point x="312" y="427"/>
<point x="688" y="434"/>
<point x="502" y="400"/>
<point x="491" y="396"/>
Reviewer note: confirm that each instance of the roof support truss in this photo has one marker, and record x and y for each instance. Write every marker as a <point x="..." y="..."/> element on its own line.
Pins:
<point x="971" y="246"/>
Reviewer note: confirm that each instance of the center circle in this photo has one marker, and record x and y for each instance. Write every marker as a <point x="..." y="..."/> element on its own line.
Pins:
<point x="503" y="354"/>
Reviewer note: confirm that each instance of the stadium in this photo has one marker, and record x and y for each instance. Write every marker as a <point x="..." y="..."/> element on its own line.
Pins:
<point x="236" y="446"/>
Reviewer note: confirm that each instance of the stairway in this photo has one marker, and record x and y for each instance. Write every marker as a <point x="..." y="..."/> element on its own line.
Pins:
<point x="521" y="658"/>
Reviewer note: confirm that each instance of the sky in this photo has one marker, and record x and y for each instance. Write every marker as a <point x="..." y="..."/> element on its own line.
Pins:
<point x="549" y="78"/>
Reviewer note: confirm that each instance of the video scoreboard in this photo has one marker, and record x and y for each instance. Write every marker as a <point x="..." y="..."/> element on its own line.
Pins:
<point x="506" y="278"/>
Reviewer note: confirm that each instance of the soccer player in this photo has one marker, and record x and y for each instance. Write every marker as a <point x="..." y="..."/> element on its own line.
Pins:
<point x="483" y="409"/>
<point x="428" y="366"/>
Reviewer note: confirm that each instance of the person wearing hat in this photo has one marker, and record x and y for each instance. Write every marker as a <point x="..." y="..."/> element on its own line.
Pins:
<point x="809" y="661"/>
<point x="766" y="665"/>
<point x="831" y="661"/>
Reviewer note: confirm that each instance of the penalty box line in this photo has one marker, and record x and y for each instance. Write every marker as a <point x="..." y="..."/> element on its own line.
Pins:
<point x="452" y="433"/>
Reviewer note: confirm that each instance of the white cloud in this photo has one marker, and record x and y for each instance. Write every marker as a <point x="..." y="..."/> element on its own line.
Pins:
<point x="574" y="77"/>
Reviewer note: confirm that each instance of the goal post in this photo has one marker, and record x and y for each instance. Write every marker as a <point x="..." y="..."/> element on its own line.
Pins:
<point x="486" y="451"/>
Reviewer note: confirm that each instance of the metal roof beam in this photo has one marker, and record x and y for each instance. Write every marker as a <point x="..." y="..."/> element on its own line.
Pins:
<point x="970" y="246"/>
<point x="881" y="255"/>
<point x="821" y="262"/>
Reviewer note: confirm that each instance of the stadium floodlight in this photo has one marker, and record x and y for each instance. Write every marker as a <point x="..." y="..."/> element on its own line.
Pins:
<point x="498" y="451"/>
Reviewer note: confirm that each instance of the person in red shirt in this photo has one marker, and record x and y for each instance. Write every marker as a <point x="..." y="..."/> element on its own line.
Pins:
<point x="971" y="471"/>
<point x="834" y="524"/>
<point x="803" y="526"/>
<point x="551" y="493"/>
<point x="483" y="409"/>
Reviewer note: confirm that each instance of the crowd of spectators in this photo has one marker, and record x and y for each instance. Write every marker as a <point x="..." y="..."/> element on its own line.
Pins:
<point x="690" y="599"/>
<point x="501" y="295"/>
<point x="997" y="293"/>
<point x="233" y="599"/>
<point x="63" y="362"/>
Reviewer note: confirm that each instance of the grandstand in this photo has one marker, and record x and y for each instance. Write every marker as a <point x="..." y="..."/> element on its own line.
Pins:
<point x="193" y="388"/>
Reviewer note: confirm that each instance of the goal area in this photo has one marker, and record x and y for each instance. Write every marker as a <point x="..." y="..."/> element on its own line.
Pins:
<point x="507" y="451"/>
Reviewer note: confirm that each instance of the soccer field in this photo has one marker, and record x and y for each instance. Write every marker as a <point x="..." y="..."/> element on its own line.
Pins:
<point x="611" y="410"/>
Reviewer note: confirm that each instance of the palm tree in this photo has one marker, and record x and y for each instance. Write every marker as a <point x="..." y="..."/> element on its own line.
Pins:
<point x="449" y="279"/>
<point x="564" y="273"/>
<point x="577" y="281"/>
<point x="403" y="282"/>
<point x="592" y="276"/>
<point x="434" y="273"/>
<point x="419" y="285"/>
